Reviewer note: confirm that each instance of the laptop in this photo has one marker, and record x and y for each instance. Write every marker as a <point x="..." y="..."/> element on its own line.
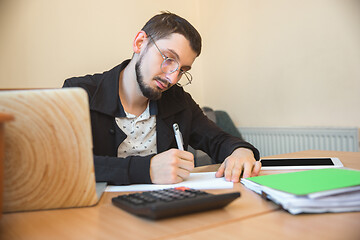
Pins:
<point x="48" y="162"/>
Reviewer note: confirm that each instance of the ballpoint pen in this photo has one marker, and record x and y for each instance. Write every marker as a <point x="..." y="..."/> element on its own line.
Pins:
<point x="178" y="136"/>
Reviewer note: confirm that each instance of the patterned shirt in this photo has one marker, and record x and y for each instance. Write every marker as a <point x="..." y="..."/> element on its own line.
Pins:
<point x="141" y="134"/>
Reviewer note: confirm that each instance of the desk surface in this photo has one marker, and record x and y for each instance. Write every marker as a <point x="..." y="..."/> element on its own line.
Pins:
<point x="250" y="217"/>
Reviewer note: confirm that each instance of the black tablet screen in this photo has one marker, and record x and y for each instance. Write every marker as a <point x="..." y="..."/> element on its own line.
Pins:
<point x="297" y="162"/>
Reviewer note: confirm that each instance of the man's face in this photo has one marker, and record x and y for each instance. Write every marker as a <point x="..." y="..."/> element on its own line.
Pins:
<point x="152" y="81"/>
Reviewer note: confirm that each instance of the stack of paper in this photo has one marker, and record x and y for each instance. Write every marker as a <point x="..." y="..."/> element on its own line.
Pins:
<point x="312" y="191"/>
<point x="203" y="180"/>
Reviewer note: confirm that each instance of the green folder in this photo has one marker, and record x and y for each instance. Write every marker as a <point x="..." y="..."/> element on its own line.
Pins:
<point x="310" y="181"/>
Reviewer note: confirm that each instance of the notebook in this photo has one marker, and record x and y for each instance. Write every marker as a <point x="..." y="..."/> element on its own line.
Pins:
<point x="48" y="162"/>
<point x="311" y="191"/>
<point x="310" y="182"/>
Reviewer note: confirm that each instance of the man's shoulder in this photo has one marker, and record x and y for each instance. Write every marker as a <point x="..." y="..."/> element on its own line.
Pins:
<point x="174" y="99"/>
<point x="179" y="94"/>
<point x="90" y="79"/>
<point x="174" y="92"/>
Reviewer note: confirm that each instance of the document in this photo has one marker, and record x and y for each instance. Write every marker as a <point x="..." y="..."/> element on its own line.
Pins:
<point x="205" y="180"/>
<point x="312" y="191"/>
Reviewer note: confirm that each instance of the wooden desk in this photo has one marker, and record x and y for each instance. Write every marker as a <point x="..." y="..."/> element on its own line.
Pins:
<point x="246" y="217"/>
<point x="279" y="224"/>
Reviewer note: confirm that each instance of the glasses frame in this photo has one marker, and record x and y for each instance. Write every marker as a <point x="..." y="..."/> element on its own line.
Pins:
<point x="185" y="73"/>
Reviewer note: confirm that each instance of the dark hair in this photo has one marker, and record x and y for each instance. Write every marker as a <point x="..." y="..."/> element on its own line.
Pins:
<point x="164" y="24"/>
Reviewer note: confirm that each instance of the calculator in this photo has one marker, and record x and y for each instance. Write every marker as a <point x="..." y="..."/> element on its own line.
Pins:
<point x="172" y="202"/>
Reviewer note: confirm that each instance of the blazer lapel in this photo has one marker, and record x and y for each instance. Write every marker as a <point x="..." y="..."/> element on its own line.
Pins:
<point x="165" y="136"/>
<point x="168" y="106"/>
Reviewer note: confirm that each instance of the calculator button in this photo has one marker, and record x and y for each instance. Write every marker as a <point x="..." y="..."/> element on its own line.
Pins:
<point x="182" y="188"/>
<point x="135" y="201"/>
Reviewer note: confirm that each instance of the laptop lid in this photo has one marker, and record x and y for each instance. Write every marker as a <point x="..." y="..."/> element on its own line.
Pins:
<point x="48" y="161"/>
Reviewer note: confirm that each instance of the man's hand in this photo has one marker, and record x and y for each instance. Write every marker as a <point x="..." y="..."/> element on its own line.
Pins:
<point x="240" y="161"/>
<point x="172" y="166"/>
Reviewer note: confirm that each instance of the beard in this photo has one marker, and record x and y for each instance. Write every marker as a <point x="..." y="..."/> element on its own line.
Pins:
<point x="147" y="91"/>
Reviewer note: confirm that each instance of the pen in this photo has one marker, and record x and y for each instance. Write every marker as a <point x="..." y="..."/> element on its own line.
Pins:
<point x="178" y="136"/>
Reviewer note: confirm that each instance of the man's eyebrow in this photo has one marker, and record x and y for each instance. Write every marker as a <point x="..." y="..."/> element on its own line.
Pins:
<point x="178" y="58"/>
<point x="173" y="52"/>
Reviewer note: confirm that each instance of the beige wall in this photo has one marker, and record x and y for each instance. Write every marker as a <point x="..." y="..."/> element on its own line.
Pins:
<point x="266" y="62"/>
<point x="284" y="62"/>
<point x="43" y="42"/>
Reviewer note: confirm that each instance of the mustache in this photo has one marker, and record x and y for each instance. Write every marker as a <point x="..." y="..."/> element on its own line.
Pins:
<point x="163" y="81"/>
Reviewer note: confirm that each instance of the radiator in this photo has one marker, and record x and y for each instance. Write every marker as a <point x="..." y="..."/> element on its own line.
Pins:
<point x="271" y="141"/>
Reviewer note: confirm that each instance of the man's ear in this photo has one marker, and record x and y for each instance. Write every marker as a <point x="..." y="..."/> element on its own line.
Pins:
<point x="139" y="41"/>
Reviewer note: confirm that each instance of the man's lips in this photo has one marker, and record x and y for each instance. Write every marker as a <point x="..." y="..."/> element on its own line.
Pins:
<point x="162" y="84"/>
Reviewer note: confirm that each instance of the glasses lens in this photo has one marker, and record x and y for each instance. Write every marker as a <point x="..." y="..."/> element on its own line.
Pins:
<point x="186" y="79"/>
<point x="169" y="65"/>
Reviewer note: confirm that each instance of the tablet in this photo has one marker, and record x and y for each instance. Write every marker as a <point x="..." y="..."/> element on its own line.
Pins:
<point x="300" y="163"/>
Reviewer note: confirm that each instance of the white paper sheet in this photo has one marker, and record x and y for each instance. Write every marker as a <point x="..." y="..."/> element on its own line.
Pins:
<point x="206" y="180"/>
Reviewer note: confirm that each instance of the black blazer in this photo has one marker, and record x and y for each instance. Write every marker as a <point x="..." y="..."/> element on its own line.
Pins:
<point x="175" y="105"/>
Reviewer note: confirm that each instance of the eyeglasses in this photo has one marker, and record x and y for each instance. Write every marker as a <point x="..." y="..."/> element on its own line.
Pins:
<point x="170" y="65"/>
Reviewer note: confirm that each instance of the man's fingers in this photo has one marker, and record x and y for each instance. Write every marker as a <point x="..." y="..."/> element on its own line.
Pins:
<point x="256" y="169"/>
<point x="248" y="167"/>
<point x="184" y="155"/>
<point x="183" y="174"/>
<point x="171" y="166"/>
<point x="229" y="169"/>
<point x="186" y="165"/>
<point x="236" y="172"/>
<point x="220" y="172"/>
<point x="240" y="163"/>
<point x="185" y="161"/>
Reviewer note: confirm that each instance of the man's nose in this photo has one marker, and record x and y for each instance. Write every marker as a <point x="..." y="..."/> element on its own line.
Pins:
<point x="173" y="77"/>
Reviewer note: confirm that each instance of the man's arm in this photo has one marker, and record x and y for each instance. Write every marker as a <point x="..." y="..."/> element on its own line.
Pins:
<point x="237" y="156"/>
<point x="207" y="136"/>
<point x="122" y="171"/>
